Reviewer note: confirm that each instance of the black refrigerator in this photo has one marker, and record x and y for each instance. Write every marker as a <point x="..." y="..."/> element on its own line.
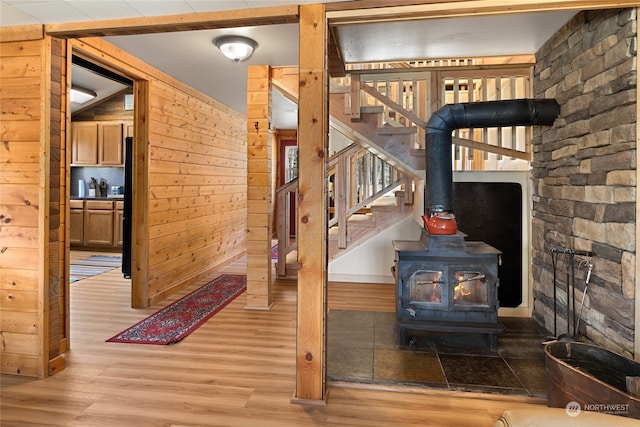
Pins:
<point x="127" y="217"/>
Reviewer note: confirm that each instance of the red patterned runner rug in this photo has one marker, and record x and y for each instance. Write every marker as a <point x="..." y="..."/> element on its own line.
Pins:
<point x="179" y="319"/>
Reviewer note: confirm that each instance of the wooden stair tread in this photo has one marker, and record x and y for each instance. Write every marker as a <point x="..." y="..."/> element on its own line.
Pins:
<point x="371" y="109"/>
<point x="385" y="201"/>
<point x="362" y="220"/>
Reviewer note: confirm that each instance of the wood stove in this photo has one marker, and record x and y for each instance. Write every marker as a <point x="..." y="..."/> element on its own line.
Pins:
<point x="445" y="284"/>
<point x="449" y="287"/>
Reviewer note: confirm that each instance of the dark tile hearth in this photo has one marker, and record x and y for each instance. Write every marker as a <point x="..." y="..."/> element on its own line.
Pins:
<point x="362" y="347"/>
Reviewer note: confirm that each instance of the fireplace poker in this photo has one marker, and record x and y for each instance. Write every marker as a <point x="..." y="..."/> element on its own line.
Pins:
<point x="473" y="278"/>
<point x="584" y="294"/>
<point x="571" y="273"/>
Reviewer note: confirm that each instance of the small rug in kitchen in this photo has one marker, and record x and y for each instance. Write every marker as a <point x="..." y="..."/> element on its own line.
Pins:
<point x="179" y="319"/>
<point x="100" y="260"/>
<point x="91" y="266"/>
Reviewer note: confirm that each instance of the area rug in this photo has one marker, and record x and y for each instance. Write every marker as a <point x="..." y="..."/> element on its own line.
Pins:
<point x="92" y="265"/>
<point x="179" y="319"/>
<point x="100" y="260"/>
<point x="79" y="272"/>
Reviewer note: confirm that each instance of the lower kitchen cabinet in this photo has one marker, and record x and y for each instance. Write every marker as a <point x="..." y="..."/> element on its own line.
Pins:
<point x="96" y="223"/>
<point x="76" y="218"/>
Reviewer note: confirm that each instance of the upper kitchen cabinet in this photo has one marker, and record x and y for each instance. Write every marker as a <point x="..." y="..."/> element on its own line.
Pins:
<point x="98" y="143"/>
<point x="110" y="144"/>
<point x="84" y="143"/>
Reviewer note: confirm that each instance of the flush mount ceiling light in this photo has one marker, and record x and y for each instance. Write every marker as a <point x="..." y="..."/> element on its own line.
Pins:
<point x="80" y="95"/>
<point x="236" y="48"/>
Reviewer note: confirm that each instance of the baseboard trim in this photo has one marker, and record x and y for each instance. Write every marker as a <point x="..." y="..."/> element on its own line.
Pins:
<point x="361" y="278"/>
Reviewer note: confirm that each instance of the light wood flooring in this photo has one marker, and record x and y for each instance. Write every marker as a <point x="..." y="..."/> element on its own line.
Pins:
<point x="238" y="369"/>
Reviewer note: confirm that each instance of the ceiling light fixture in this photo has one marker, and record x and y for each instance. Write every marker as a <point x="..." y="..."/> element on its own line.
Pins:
<point x="80" y="95"/>
<point x="236" y="48"/>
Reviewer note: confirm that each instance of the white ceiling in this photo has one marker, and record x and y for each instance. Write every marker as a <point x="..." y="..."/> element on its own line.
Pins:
<point x="450" y="38"/>
<point x="103" y="87"/>
<point x="193" y="59"/>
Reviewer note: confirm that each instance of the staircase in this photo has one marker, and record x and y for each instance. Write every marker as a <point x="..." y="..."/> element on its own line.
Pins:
<point x="382" y="213"/>
<point x="396" y="145"/>
<point x="371" y="181"/>
<point x="366" y="195"/>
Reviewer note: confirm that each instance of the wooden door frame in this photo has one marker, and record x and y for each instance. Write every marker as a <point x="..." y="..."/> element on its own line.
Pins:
<point x="139" y="275"/>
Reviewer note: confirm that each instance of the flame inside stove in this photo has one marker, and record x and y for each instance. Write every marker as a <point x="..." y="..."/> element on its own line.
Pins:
<point x="469" y="287"/>
<point x="461" y="291"/>
<point x="427" y="286"/>
<point x="468" y="283"/>
<point x="435" y="294"/>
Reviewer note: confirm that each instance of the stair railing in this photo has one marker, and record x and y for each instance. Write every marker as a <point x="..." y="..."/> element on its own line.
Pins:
<point x="357" y="177"/>
<point x="286" y="209"/>
<point x="406" y="97"/>
<point x="409" y="97"/>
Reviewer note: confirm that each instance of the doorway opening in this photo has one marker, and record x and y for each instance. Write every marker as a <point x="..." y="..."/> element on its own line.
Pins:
<point x="102" y="111"/>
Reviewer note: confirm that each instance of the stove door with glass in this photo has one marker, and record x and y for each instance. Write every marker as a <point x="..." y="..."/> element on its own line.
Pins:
<point x="447" y="294"/>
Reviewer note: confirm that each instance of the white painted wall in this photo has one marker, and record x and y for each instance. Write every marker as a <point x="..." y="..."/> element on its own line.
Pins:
<point x="337" y="141"/>
<point x="371" y="262"/>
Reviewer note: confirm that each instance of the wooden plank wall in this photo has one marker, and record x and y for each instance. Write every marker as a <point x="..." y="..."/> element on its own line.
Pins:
<point x="110" y="110"/>
<point x="259" y="188"/>
<point x="196" y="152"/>
<point x="58" y="185"/>
<point x="22" y="86"/>
<point x="190" y="213"/>
<point x="197" y="188"/>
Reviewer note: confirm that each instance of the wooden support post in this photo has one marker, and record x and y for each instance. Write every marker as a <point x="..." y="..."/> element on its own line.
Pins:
<point x="341" y="201"/>
<point x="312" y="213"/>
<point x="259" y="189"/>
<point x="140" y="199"/>
<point x="355" y="97"/>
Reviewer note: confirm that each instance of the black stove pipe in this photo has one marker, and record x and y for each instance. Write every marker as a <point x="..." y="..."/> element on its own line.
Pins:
<point x="517" y="112"/>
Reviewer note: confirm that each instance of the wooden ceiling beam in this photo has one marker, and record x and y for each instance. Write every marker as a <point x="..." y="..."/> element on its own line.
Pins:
<point x="22" y="33"/>
<point x="173" y="23"/>
<point x="351" y="12"/>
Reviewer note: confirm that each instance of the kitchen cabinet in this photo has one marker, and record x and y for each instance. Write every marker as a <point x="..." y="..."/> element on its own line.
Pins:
<point x="110" y="144"/>
<point x="84" y="144"/>
<point x="98" y="223"/>
<point x="128" y="129"/>
<point x="98" y="143"/>
<point x="76" y="219"/>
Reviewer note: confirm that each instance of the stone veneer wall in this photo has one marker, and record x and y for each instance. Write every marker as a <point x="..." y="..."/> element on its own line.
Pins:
<point x="584" y="186"/>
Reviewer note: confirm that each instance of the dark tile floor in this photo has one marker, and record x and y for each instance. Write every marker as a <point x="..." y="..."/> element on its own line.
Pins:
<point x="362" y="348"/>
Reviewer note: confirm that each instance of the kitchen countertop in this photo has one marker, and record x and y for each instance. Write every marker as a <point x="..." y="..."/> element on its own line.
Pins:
<point x="119" y="197"/>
